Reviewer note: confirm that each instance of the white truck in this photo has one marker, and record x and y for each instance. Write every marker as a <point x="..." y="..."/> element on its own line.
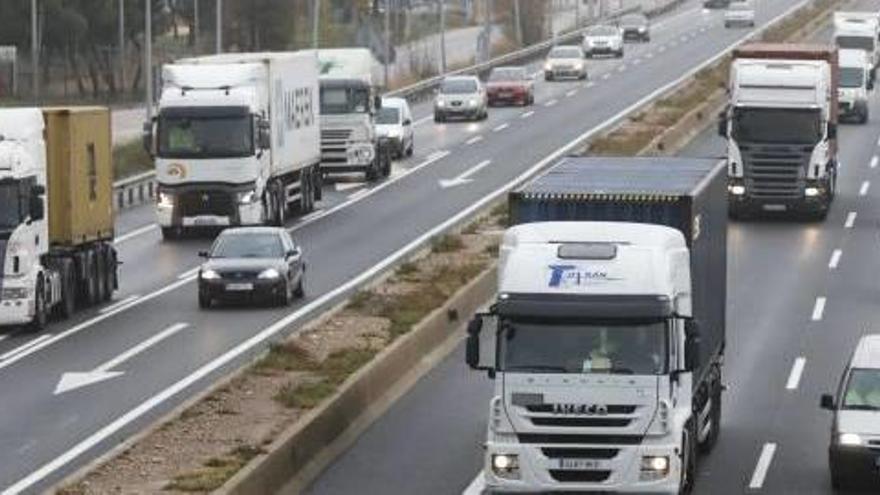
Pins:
<point x="856" y="80"/>
<point x="236" y="140"/>
<point x="859" y="30"/>
<point x="608" y="328"/>
<point x="349" y="104"/>
<point x="781" y="129"/>
<point x="56" y="213"/>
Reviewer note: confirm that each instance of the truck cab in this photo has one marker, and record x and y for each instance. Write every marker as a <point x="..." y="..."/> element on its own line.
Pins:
<point x="856" y="80"/>
<point x="860" y="31"/>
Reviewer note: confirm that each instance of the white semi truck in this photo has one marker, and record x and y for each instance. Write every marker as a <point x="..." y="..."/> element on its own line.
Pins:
<point x="349" y="103"/>
<point x="858" y="30"/>
<point x="608" y="328"/>
<point x="781" y="129"/>
<point x="56" y="213"/>
<point x="236" y="140"/>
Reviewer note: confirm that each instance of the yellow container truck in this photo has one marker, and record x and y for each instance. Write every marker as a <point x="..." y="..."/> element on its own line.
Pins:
<point x="56" y="213"/>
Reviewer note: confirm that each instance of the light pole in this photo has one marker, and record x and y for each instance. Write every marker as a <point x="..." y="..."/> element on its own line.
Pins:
<point x="35" y="51"/>
<point x="442" y="36"/>
<point x="121" y="62"/>
<point x="196" y="25"/>
<point x="148" y="56"/>
<point x="219" y="37"/>
<point x="316" y="19"/>
<point x="387" y="39"/>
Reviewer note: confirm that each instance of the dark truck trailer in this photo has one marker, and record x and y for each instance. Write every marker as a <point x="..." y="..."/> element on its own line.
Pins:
<point x="688" y="194"/>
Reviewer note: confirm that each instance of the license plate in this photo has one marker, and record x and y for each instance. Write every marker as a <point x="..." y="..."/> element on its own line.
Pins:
<point x="239" y="287"/>
<point x="579" y="464"/>
<point x="774" y="207"/>
<point x="504" y="94"/>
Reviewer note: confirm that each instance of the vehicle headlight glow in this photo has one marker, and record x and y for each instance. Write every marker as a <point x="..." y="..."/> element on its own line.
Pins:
<point x="246" y="198"/>
<point x="166" y="200"/>
<point x="472" y="102"/>
<point x="737" y="190"/>
<point x="209" y="275"/>
<point x="654" y="467"/>
<point x="849" y="439"/>
<point x="440" y="103"/>
<point x="811" y="192"/>
<point x="505" y="465"/>
<point x="394" y="133"/>
<point x="642" y="29"/>
<point x="579" y="66"/>
<point x="548" y="66"/>
<point x="269" y="274"/>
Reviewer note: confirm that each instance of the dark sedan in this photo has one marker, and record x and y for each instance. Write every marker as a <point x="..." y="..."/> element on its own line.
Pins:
<point x="252" y="264"/>
<point x="511" y="85"/>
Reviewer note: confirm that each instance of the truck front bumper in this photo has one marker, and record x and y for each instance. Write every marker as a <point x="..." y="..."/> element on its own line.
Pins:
<point x="815" y="198"/>
<point x="541" y="471"/>
<point x="16" y="304"/>
<point x="193" y="207"/>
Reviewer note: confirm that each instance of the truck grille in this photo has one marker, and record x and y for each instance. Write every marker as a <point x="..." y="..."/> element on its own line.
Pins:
<point x="195" y="203"/>
<point x="566" y="476"/>
<point x="581" y="422"/>
<point x="611" y="408"/>
<point x="579" y="453"/>
<point x="334" y="145"/>
<point x="775" y="171"/>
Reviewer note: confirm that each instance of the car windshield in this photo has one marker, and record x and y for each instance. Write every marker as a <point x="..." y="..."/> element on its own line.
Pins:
<point x="566" y="52"/>
<point x="182" y="136"/>
<point x="340" y="101"/>
<point x="507" y="75"/>
<point x="629" y="347"/>
<point x="852" y="77"/>
<point x="858" y="42"/>
<point x="772" y="125"/>
<point x="862" y="390"/>
<point x="11" y="209"/>
<point x="458" y="86"/>
<point x="388" y="115"/>
<point x="248" y="246"/>
<point x="601" y="31"/>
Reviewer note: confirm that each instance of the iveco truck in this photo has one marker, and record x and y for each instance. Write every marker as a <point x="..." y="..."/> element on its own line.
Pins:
<point x="781" y="129"/>
<point x="608" y="328"/>
<point x="349" y="104"/>
<point x="858" y="30"/>
<point x="56" y="213"/>
<point x="236" y="140"/>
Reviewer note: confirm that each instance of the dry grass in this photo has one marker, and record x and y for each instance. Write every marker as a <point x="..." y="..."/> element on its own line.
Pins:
<point x="215" y="471"/>
<point x="130" y="159"/>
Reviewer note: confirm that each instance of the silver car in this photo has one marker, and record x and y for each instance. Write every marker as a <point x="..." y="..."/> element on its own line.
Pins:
<point x="565" y="61"/>
<point x="461" y="96"/>
<point x="603" y="40"/>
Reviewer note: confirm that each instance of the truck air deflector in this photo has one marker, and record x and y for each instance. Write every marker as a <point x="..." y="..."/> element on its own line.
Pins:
<point x="583" y="306"/>
<point x="205" y="111"/>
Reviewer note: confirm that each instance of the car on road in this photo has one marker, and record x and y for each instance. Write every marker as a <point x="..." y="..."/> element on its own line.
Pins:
<point x="603" y="40"/>
<point x="461" y="96"/>
<point x="394" y="122"/>
<point x="716" y="4"/>
<point x="636" y="27"/>
<point x="511" y="85"/>
<point x="740" y="13"/>
<point x="252" y="264"/>
<point x="565" y="61"/>
<point x="854" y="451"/>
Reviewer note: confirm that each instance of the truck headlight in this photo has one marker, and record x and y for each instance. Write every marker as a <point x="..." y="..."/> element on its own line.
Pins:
<point x="849" y="440"/>
<point x="269" y="274"/>
<point x="505" y="465"/>
<point x="579" y="66"/>
<point x="247" y="197"/>
<point x="654" y="467"/>
<point x="642" y="29"/>
<point x="166" y="201"/>
<point x="737" y="189"/>
<point x="811" y="192"/>
<point x="209" y="275"/>
<point x="548" y="67"/>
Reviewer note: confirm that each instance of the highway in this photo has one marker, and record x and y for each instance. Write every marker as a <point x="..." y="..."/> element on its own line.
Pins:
<point x="800" y="295"/>
<point x="168" y="350"/>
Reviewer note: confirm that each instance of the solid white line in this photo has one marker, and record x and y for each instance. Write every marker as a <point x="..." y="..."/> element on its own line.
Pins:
<point x="317" y="213"/>
<point x="794" y="378"/>
<point x="878" y="140"/>
<point x="134" y="233"/>
<point x="606" y="75"/>
<point x="143" y="346"/>
<point x="119" y="304"/>
<point x="591" y="84"/>
<point x="550" y="103"/>
<point x="475" y="139"/>
<point x="864" y="189"/>
<point x="835" y="259"/>
<point x="874" y="160"/>
<point x="357" y="195"/>
<point x="476" y="486"/>
<point x="850" y="220"/>
<point x="189" y="273"/>
<point x="23" y="348"/>
<point x="621" y="68"/>
<point x="571" y="93"/>
<point x="819" y="308"/>
<point x="528" y="114"/>
<point x="501" y="128"/>
<point x="763" y="466"/>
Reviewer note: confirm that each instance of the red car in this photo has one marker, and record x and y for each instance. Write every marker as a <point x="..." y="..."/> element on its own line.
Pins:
<point x="510" y="85"/>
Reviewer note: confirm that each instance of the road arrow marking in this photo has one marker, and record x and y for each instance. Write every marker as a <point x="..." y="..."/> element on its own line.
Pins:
<point x="74" y="380"/>
<point x="465" y="177"/>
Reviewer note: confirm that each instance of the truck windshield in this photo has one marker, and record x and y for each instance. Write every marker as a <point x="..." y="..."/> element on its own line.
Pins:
<point x="852" y="77"/>
<point x="205" y="137"/>
<point x="627" y="347"/>
<point x="339" y="101"/>
<point x="862" y="390"/>
<point x="779" y="126"/>
<point x="858" y="42"/>
<point x="11" y="209"/>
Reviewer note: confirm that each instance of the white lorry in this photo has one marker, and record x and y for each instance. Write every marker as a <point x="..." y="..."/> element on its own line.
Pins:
<point x="781" y="129"/>
<point x="859" y="30"/>
<point x="608" y="328"/>
<point x="236" y="140"/>
<point x="56" y="213"/>
<point x="349" y="104"/>
<point x="856" y="80"/>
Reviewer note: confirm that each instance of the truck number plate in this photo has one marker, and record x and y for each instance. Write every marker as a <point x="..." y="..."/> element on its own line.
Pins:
<point x="205" y="221"/>
<point x="581" y="464"/>
<point x="774" y="207"/>
<point x="239" y="287"/>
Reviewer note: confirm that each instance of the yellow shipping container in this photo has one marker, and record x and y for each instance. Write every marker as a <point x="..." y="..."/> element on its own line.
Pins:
<point x="79" y="175"/>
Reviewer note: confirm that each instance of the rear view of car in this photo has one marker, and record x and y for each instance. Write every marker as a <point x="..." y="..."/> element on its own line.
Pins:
<point x="460" y="96"/>
<point x="740" y="14"/>
<point x="636" y="27"/>
<point x="565" y="62"/>
<point x="603" y="40"/>
<point x="510" y="85"/>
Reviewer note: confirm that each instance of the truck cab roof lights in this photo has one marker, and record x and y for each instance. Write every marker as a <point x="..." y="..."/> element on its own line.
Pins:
<point x="587" y="251"/>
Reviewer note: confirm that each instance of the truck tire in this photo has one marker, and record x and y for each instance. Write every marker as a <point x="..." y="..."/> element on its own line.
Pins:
<point x="88" y="282"/>
<point x="41" y="314"/>
<point x="372" y="173"/>
<point x="386" y="163"/>
<point x="101" y="278"/>
<point x="67" y="306"/>
<point x="204" y="301"/>
<point x="306" y="199"/>
<point x="689" y="459"/>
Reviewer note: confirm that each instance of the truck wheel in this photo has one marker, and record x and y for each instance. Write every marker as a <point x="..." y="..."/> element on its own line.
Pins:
<point x="101" y="278"/>
<point x="280" y="206"/>
<point x="109" y="276"/>
<point x="318" y="181"/>
<point x="688" y="458"/>
<point x="372" y="173"/>
<point x="40" y="313"/>
<point x="386" y="164"/>
<point x="305" y="196"/>
<point x="204" y="301"/>
<point x="68" y="292"/>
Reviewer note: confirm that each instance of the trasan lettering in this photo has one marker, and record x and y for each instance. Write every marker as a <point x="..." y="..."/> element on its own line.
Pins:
<point x="571" y="275"/>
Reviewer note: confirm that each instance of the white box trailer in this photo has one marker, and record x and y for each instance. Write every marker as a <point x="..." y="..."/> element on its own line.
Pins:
<point x="237" y="140"/>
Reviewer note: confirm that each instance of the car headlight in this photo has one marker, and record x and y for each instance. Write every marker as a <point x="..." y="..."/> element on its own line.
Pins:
<point x="247" y="198"/>
<point x="393" y="133"/>
<point x="209" y="275"/>
<point x="166" y="200"/>
<point x="737" y="190"/>
<point x="269" y="274"/>
<point x="440" y="104"/>
<point x="505" y="465"/>
<point x="579" y="66"/>
<point x="849" y="440"/>
<point x="642" y="29"/>
<point x="548" y="66"/>
<point x="472" y="102"/>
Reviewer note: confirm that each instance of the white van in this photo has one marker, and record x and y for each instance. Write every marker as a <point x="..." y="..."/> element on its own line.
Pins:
<point x="856" y="78"/>
<point x="394" y="122"/>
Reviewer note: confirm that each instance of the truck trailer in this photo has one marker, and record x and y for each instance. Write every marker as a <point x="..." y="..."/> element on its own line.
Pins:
<point x="56" y="213"/>
<point x="236" y="140"/>
<point x="781" y="129"/>
<point x="609" y="328"/>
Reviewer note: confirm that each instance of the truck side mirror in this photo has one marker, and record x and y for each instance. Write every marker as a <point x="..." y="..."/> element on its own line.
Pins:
<point x="264" y="135"/>
<point x="37" y="210"/>
<point x="472" y="350"/>
<point x="377" y="102"/>
<point x="832" y="130"/>
<point x="870" y="83"/>
<point x="147" y="138"/>
<point x="827" y="402"/>
<point x="722" y="124"/>
<point x="691" y="345"/>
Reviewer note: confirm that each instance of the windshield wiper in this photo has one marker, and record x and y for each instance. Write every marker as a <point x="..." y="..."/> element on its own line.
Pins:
<point x="538" y="367"/>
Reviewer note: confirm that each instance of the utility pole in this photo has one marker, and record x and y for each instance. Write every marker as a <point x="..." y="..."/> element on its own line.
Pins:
<point x="577" y="13"/>
<point x="518" y="21"/>
<point x="148" y="57"/>
<point x="35" y="51"/>
<point x="196" y="25"/>
<point x="487" y="30"/>
<point x="316" y="21"/>
<point x="121" y="62"/>
<point x="387" y="39"/>
<point x="219" y="37"/>
<point x="442" y="36"/>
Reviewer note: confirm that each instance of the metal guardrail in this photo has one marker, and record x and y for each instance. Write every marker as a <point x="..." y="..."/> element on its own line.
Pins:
<point x="135" y="190"/>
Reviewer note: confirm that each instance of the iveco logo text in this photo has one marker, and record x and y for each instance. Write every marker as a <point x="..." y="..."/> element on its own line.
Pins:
<point x="570" y="275"/>
<point x="585" y="409"/>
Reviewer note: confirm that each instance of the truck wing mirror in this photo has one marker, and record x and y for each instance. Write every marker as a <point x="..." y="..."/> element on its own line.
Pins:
<point x="691" y="345"/>
<point x="264" y="135"/>
<point x="204" y="254"/>
<point x="38" y="190"/>
<point x="37" y="210"/>
<point x="722" y="124"/>
<point x="472" y="346"/>
<point x="870" y="83"/>
<point x="827" y="402"/>
<point x="147" y="138"/>
<point x="832" y="130"/>
<point x="377" y="102"/>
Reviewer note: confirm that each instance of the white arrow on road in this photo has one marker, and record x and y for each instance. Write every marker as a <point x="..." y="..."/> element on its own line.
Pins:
<point x="74" y="380"/>
<point x="465" y="177"/>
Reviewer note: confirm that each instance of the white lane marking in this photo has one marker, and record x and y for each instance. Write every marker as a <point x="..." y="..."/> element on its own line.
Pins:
<point x="20" y="350"/>
<point x="347" y="186"/>
<point x="819" y="308"/>
<point x="850" y="220"/>
<point x="4" y="337"/>
<point x="134" y="233"/>
<point x="874" y="160"/>
<point x="551" y="103"/>
<point x="636" y="61"/>
<point x="476" y="487"/>
<point x="74" y="380"/>
<point x="357" y="195"/>
<point x="422" y="120"/>
<point x="794" y="378"/>
<point x="763" y="466"/>
<point x="124" y="302"/>
<point x="606" y="75"/>
<point x="878" y="140"/>
<point x="835" y="259"/>
<point x="591" y="84"/>
<point x="465" y="177"/>
<point x="661" y="48"/>
<point x="649" y="55"/>
<point x="189" y="273"/>
<point x="501" y="128"/>
<point x="528" y="114"/>
<point x="864" y="189"/>
<point x="475" y="139"/>
<point x="621" y="68"/>
<point x="570" y="93"/>
<point x="317" y="213"/>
